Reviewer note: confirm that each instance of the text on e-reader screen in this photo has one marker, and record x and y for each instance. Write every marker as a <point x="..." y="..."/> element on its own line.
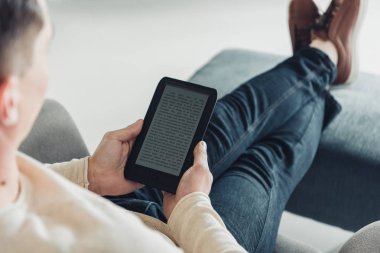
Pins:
<point x="172" y="129"/>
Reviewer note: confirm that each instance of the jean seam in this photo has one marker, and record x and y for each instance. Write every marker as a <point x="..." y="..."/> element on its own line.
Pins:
<point x="308" y="125"/>
<point x="147" y="207"/>
<point x="285" y="96"/>
<point x="271" y="191"/>
<point x="266" y="220"/>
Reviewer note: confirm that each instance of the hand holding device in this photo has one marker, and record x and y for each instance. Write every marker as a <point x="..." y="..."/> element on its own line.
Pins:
<point x="106" y="165"/>
<point x="196" y="179"/>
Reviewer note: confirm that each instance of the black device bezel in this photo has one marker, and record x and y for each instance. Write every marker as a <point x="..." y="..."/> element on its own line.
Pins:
<point x="159" y="179"/>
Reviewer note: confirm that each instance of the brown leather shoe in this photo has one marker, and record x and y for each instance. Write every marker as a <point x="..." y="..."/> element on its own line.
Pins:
<point x="341" y="24"/>
<point x="302" y="16"/>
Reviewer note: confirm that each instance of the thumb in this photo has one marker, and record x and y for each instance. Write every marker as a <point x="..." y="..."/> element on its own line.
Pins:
<point x="200" y="154"/>
<point x="128" y="133"/>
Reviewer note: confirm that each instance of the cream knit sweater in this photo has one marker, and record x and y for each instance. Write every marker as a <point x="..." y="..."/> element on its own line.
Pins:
<point x="52" y="214"/>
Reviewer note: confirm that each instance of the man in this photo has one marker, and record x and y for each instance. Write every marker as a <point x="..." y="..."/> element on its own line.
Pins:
<point x="261" y="140"/>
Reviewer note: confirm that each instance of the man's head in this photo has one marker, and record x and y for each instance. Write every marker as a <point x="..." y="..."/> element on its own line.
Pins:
<point x="20" y="22"/>
<point x="25" y="32"/>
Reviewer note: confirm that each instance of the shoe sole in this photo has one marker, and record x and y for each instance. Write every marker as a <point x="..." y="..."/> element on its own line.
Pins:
<point x="355" y="60"/>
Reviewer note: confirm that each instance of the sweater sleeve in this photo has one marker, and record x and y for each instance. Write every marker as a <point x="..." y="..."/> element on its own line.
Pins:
<point x="75" y="171"/>
<point x="197" y="227"/>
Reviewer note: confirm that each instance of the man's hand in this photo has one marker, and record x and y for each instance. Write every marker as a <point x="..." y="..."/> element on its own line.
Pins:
<point x="106" y="165"/>
<point x="196" y="179"/>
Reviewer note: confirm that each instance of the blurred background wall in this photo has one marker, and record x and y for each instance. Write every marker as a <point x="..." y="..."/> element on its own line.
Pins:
<point x="108" y="55"/>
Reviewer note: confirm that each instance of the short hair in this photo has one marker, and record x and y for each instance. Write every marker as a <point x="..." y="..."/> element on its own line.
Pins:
<point x="20" y="22"/>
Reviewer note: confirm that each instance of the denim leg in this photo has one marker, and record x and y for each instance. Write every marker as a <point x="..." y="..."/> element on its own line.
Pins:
<point x="261" y="141"/>
<point x="266" y="102"/>
<point x="251" y="195"/>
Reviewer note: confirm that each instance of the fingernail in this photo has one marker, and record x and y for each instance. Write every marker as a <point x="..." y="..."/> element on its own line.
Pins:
<point x="204" y="144"/>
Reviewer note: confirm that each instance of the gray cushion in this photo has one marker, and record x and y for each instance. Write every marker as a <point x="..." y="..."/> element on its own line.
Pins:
<point x="288" y="245"/>
<point x="54" y="136"/>
<point x="343" y="186"/>
<point x="364" y="241"/>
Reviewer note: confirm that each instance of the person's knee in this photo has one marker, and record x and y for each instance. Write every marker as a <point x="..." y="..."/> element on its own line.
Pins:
<point x="365" y="240"/>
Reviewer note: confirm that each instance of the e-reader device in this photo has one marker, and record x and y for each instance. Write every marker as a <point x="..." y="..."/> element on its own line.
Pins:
<point x="175" y="122"/>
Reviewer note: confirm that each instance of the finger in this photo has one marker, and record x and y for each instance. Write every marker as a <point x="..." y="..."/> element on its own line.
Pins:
<point x="200" y="154"/>
<point x="131" y="187"/>
<point x="135" y="184"/>
<point x="167" y="195"/>
<point x="128" y="133"/>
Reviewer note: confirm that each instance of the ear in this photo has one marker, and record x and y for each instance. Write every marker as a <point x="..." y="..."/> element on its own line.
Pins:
<point x="9" y="102"/>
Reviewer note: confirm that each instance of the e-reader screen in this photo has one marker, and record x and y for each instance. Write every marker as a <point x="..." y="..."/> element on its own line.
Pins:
<point x="176" y="120"/>
<point x="172" y="129"/>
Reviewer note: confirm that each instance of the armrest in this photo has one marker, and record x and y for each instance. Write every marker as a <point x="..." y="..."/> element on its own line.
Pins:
<point x="287" y="245"/>
<point x="54" y="136"/>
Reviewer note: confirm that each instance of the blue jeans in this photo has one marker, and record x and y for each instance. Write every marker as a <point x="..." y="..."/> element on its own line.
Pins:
<point x="261" y="141"/>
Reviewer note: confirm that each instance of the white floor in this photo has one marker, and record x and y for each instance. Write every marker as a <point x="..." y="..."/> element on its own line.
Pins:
<point x="108" y="55"/>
